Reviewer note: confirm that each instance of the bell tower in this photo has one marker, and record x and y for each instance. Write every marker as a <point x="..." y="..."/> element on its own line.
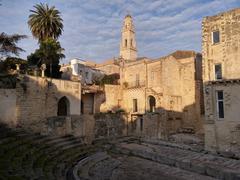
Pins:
<point x="128" y="47"/>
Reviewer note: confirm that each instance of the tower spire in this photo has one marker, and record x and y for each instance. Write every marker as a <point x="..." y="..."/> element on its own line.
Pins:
<point x="128" y="47"/>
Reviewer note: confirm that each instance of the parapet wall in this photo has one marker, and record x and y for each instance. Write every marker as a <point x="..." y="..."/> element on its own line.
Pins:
<point x="37" y="99"/>
<point x="8" y="106"/>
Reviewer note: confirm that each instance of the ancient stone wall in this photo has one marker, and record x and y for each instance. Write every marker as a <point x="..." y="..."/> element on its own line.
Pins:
<point x="109" y="99"/>
<point x="154" y="125"/>
<point x="108" y="125"/>
<point x="37" y="99"/>
<point x="87" y="103"/>
<point x="8" y="106"/>
<point x="82" y="126"/>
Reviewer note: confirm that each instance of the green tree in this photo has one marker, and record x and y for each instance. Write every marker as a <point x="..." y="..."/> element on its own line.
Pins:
<point x="50" y="52"/>
<point x="8" y="44"/>
<point x="10" y="64"/>
<point x="45" y="22"/>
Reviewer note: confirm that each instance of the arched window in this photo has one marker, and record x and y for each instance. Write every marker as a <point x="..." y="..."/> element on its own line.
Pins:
<point x="152" y="103"/>
<point x="63" y="107"/>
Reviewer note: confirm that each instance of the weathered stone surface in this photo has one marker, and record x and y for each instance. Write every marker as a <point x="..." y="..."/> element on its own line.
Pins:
<point x="108" y="125"/>
<point x="117" y="167"/>
<point x="222" y="134"/>
<point x="200" y="163"/>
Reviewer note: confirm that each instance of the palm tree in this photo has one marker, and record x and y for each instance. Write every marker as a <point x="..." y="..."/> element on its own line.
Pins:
<point x="8" y="44"/>
<point x="51" y="52"/>
<point x="45" y="22"/>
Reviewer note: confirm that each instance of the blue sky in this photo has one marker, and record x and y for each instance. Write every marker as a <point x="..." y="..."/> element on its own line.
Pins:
<point x="92" y="28"/>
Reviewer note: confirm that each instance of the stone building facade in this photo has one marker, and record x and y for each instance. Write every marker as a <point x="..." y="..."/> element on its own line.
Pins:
<point x="159" y="96"/>
<point x="221" y="76"/>
<point x="167" y="90"/>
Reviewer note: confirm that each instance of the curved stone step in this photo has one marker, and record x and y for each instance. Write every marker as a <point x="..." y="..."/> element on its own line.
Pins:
<point x="48" y="149"/>
<point x="52" y="139"/>
<point x="205" y="164"/>
<point x="81" y="170"/>
<point x="52" y="153"/>
<point x="68" y="143"/>
<point x="66" y="157"/>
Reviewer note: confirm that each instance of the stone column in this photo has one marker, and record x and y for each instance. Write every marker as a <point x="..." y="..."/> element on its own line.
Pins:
<point x="35" y="71"/>
<point x="43" y="68"/>
<point x="18" y="68"/>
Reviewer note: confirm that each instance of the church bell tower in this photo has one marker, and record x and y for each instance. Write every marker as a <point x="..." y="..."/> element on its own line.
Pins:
<point x="128" y="47"/>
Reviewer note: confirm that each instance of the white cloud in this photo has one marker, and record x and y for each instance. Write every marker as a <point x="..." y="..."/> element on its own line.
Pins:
<point x="92" y="27"/>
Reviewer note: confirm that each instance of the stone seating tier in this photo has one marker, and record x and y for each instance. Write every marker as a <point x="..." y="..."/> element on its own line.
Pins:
<point x="25" y="155"/>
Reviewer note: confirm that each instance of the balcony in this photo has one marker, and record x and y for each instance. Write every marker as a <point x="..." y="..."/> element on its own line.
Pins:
<point x="134" y="84"/>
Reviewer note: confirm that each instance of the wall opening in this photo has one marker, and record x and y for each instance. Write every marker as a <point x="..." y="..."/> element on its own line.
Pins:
<point x="218" y="71"/>
<point x="220" y="104"/>
<point x="152" y="103"/>
<point x="87" y="103"/>
<point x="135" y="105"/>
<point x="63" y="107"/>
<point x="141" y="124"/>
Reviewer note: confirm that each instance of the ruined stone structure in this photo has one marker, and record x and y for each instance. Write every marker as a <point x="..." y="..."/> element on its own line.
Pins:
<point x="48" y="106"/>
<point x="221" y="75"/>
<point x="8" y="106"/>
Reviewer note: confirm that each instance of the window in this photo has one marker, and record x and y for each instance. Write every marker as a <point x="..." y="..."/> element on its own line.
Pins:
<point x="220" y="104"/>
<point x="63" y="107"/>
<point x="137" y="80"/>
<point x="119" y="103"/>
<point x="141" y="124"/>
<point x="86" y="75"/>
<point x="135" y="107"/>
<point x="215" y="37"/>
<point x="218" y="71"/>
<point x="131" y="43"/>
<point x="152" y="103"/>
<point x="152" y="75"/>
<point x="125" y="42"/>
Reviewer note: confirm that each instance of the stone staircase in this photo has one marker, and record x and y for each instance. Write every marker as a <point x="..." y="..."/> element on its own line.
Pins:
<point x="198" y="162"/>
<point x="24" y="155"/>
